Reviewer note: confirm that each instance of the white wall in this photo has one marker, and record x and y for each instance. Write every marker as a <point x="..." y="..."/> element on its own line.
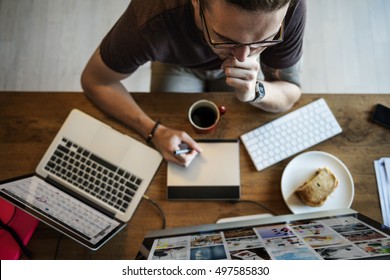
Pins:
<point x="44" y="44"/>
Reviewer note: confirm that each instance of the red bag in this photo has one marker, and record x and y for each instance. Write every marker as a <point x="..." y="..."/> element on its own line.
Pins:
<point x="16" y="225"/>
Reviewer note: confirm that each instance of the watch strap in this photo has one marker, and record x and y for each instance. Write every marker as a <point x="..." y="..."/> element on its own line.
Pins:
<point x="259" y="93"/>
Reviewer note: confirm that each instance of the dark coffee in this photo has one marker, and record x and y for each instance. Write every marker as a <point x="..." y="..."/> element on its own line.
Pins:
<point x="204" y="116"/>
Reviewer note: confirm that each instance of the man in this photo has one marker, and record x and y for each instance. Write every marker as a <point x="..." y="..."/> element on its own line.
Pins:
<point x="211" y="41"/>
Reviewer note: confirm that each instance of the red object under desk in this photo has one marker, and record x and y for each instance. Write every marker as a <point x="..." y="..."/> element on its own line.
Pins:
<point x="23" y="224"/>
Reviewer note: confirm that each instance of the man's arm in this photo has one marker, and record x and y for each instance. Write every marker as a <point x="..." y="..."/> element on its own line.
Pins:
<point x="282" y="86"/>
<point x="104" y="88"/>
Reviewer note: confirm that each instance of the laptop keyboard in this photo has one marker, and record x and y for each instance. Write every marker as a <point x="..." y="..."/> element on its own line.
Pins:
<point x="63" y="208"/>
<point x="290" y="134"/>
<point x="94" y="175"/>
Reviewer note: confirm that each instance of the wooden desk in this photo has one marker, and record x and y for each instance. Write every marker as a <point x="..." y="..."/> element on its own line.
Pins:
<point x="30" y="120"/>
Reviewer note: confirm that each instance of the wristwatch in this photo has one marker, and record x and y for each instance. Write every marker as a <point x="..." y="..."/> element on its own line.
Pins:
<point x="259" y="93"/>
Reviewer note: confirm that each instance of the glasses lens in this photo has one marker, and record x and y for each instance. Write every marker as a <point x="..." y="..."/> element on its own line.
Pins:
<point x="263" y="44"/>
<point x="252" y="46"/>
<point x="225" y="45"/>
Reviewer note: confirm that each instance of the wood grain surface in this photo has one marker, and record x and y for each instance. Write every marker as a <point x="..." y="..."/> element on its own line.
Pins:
<point x="30" y="120"/>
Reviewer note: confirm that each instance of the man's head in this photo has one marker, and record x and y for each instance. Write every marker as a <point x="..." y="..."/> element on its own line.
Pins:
<point x="240" y="23"/>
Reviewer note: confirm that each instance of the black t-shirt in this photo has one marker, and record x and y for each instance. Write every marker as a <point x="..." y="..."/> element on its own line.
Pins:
<point x="165" y="31"/>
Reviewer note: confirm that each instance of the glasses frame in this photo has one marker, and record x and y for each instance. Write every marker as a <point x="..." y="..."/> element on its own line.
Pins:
<point x="254" y="45"/>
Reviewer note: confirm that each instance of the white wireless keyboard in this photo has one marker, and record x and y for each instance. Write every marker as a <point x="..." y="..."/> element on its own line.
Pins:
<point x="290" y="134"/>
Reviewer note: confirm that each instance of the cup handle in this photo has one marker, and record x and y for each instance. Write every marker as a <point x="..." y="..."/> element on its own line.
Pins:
<point x="222" y="110"/>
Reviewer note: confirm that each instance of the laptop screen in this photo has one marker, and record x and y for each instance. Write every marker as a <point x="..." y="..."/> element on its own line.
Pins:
<point x="60" y="210"/>
<point x="339" y="234"/>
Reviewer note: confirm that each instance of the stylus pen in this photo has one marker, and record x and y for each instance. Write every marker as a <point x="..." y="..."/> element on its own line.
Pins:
<point x="182" y="151"/>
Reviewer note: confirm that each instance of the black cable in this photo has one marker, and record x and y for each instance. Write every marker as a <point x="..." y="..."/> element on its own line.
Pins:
<point x="58" y="246"/>
<point x="16" y="237"/>
<point x="233" y="201"/>
<point x="88" y="253"/>
<point x="258" y="204"/>
<point x="159" y="210"/>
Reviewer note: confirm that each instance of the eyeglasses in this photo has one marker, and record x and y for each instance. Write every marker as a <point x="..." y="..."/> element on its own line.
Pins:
<point x="270" y="41"/>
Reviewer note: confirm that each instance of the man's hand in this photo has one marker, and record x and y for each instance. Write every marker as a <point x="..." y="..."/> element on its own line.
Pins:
<point x="168" y="140"/>
<point x="281" y="94"/>
<point x="242" y="76"/>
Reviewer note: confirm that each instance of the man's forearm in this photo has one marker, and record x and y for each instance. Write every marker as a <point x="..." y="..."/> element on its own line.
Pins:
<point x="282" y="88"/>
<point x="280" y="96"/>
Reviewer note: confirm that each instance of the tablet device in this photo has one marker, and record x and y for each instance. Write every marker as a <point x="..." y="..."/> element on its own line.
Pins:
<point x="213" y="174"/>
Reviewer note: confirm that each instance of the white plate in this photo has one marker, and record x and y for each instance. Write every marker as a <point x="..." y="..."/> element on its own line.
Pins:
<point x="302" y="167"/>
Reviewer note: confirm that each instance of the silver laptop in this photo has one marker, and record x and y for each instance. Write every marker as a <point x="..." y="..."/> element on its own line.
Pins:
<point x="89" y="182"/>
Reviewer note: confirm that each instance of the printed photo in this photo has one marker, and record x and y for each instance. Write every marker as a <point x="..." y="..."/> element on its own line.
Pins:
<point x="311" y="229"/>
<point x="350" y="227"/>
<point x="239" y="232"/>
<point x="175" y="248"/>
<point x="295" y="254"/>
<point x="208" y="253"/>
<point x="206" y="240"/>
<point x="172" y="242"/>
<point x="174" y="253"/>
<point x="274" y="231"/>
<point x="250" y="254"/>
<point x="316" y="241"/>
<point x="284" y="242"/>
<point x="362" y="235"/>
<point x="304" y="222"/>
<point x="241" y="243"/>
<point x="341" y="252"/>
<point x="342" y="221"/>
<point x="375" y="247"/>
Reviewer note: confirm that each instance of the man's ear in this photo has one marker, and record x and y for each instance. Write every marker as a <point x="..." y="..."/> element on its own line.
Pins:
<point x="195" y="4"/>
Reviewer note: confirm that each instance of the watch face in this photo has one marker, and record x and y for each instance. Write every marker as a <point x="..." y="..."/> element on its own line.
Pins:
<point x="260" y="92"/>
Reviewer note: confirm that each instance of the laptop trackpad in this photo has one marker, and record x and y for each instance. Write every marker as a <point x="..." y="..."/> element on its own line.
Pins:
<point x="110" y="144"/>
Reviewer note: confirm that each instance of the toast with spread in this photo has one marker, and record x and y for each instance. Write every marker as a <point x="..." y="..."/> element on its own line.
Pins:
<point x="317" y="189"/>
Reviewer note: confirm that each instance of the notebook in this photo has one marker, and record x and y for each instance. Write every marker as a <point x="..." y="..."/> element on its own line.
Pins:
<point x="89" y="182"/>
<point x="212" y="175"/>
<point x="329" y="235"/>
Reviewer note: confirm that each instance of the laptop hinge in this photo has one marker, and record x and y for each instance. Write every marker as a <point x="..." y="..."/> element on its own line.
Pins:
<point x="99" y="208"/>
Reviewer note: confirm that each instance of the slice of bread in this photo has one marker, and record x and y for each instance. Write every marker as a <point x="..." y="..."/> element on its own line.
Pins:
<point x="315" y="191"/>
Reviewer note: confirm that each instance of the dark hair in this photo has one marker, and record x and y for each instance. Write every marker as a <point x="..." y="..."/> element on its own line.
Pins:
<point x="257" y="5"/>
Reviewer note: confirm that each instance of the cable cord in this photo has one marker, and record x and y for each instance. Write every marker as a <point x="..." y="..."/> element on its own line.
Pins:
<point x="233" y="201"/>
<point x="58" y="246"/>
<point x="159" y="209"/>
<point x="258" y="204"/>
